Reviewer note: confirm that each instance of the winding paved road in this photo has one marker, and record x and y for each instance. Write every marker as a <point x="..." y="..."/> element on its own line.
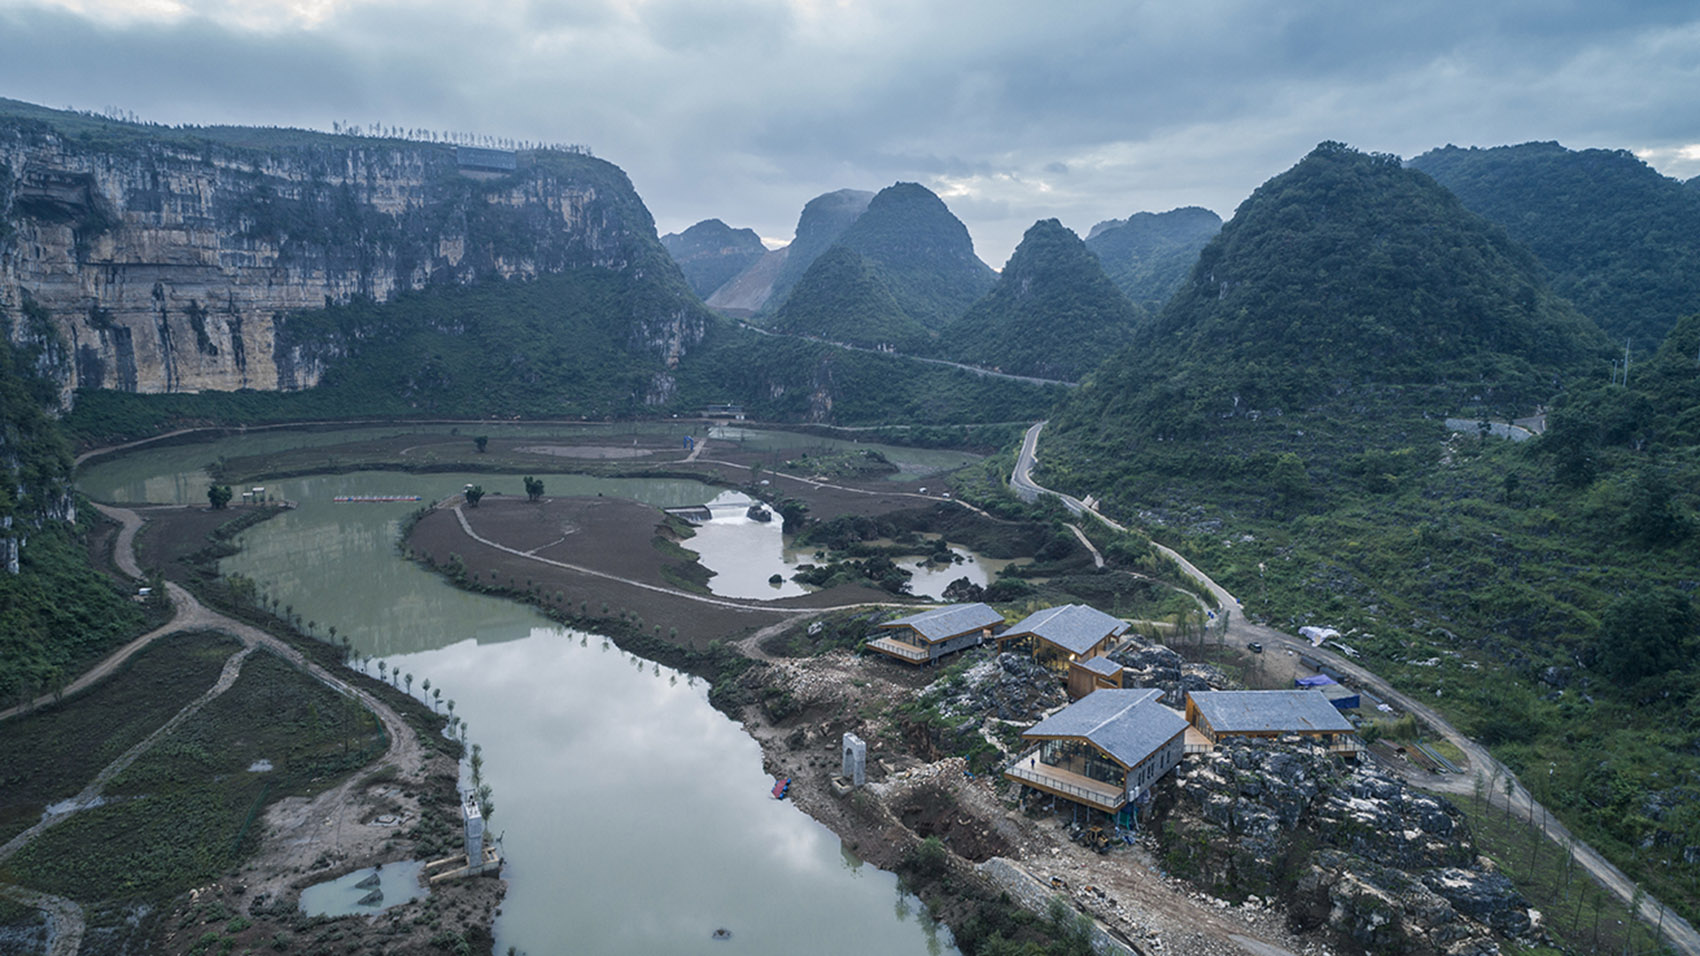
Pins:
<point x="1490" y="774"/>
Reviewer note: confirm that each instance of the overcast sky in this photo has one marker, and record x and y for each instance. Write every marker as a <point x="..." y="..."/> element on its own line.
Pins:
<point x="743" y="110"/>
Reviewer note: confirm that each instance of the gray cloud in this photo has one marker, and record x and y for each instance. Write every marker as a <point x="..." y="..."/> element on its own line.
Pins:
<point x="745" y="109"/>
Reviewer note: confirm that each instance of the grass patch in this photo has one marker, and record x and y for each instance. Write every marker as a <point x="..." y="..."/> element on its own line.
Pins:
<point x="1445" y="748"/>
<point x="831" y="631"/>
<point x="186" y="810"/>
<point x="1580" y="914"/>
<point x="53" y="753"/>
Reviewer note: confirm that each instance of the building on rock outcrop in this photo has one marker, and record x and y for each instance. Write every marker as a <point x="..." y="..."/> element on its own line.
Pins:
<point x="1271" y="713"/>
<point x="1058" y="636"/>
<point x="930" y="635"/>
<point x="1104" y="751"/>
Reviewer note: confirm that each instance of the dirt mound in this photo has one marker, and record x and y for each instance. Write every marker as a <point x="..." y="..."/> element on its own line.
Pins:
<point x="932" y="811"/>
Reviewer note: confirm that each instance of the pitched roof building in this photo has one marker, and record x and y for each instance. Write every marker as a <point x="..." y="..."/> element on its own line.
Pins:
<point x="1058" y="635"/>
<point x="1270" y="713"/>
<point x="929" y="635"/>
<point x="1103" y="751"/>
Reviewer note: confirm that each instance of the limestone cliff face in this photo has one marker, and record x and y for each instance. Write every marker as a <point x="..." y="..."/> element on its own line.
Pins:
<point x="169" y="263"/>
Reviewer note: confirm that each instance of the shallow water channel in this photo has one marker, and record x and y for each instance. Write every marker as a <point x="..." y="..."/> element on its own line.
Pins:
<point x="636" y="819"/>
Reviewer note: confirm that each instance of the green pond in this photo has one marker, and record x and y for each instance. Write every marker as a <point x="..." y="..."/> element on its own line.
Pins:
<point x="635" y="818"/>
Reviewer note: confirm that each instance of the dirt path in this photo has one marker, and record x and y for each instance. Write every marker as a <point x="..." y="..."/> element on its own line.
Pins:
<point x="405" y="753"/>
<point x="65" y="922"/>
<point x="1097" y="559"/>
<point x="789" y="612"/>
<point x="1489" y="773"/>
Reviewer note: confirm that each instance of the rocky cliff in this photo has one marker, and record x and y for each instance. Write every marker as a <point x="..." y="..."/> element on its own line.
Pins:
<point x="1344" y="846"/>
<point x="169" y="260"/>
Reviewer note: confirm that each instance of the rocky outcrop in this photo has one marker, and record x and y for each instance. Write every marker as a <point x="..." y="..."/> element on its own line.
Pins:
<point x="1009" y="687"/>
<point x="169" y="261"/>
<point x="745" y="293"/>
<point x="1345" y="845"/>
<point x="1154" y="665"/>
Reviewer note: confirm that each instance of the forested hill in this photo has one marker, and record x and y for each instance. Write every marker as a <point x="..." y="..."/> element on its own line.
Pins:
<point x="1053" y="313"/>
<point x="843" y="298"/>
<point x="711" y="253"/>
<point x="823" y="219"/>
<point x="1284" y="425"/>
<point x="897" y="273"/>
<point x="1353" y="283"/>
<point x="922" y="251"/>
<point x="1149" y="254"/>
<point x="1619" y="239"/>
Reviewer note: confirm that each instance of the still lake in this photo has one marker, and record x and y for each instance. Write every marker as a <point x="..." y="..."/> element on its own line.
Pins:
<point x="635" y="818"/>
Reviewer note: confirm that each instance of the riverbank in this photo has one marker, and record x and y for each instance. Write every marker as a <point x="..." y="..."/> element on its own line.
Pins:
<point x="316" y="798"/>
<point x="922" y="816"/>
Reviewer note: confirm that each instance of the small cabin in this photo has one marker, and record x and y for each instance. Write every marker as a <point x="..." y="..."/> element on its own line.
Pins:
<point x="1093" y="674"/>
<point x="1058" y="636"/>
<point x="930" y="635"/>
<point x="1270" y="713"/>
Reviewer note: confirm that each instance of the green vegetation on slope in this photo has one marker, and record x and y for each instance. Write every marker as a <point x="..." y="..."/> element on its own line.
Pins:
<point x="1349" y="284"/>
<point x="53" y="753"/>
<point x="795" y="380"/>
<point x="57" y="614"/>
<point x="823" y="219"/>
<point x="843" y="299"/>
<point x="1148" y="254"/>
<point x="711" y="253"/>
<point x="922" y="252"/>
<point x="195" y="799"/>
<point x="1620" y="240"/>
<point x="1052" y="314"/>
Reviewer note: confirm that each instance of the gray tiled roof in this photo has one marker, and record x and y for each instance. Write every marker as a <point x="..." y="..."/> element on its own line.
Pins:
<point x="949" y="621"/>
<point x="1101" y="665"/>
<point x="1266" y="711"/>
<point x="1129" y="725"/>
<point x="1074" y="627"/>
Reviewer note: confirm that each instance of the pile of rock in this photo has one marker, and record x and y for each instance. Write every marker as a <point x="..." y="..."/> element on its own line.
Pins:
<point x="1347" y="845"/>
<point x="1154" y="665"/>
<point x="1009" y="687"/>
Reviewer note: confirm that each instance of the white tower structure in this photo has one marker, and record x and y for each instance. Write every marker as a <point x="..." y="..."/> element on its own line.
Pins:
<point x="855" y="760"/>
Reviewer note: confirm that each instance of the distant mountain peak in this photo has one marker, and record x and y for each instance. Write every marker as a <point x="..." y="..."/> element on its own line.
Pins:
<point x="711" y="253"/>
<point x="1052" y="314"/>
<point x="1148" y="255"/>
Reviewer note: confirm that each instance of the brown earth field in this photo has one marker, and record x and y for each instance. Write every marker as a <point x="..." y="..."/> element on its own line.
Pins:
<point x="547" y="550"/>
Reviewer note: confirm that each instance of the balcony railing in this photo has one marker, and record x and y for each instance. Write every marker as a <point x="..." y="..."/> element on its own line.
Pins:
<point x="1027" y="769"/>
<point x="908" y="652"/>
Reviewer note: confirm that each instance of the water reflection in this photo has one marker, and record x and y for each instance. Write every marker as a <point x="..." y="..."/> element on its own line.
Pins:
<point x="645" y="815"/>
<point x="745" y="554"/>
<point x="636" y="819"/>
